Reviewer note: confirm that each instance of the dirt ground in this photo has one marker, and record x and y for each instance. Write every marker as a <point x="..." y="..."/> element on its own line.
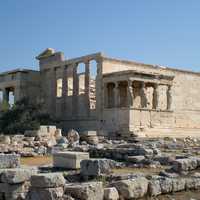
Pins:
<point x="37" y="161"/>
<point x="189" y="195"/>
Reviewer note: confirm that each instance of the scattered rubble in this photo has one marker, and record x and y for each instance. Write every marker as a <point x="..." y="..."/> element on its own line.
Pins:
<point x="87" y="166"/>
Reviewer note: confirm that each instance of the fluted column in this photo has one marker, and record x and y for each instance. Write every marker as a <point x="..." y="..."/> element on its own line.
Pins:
<point x="143" y="96"/>
<point x="99" y="91"/>
<point x="87" y="86"/>
<point x="75" y="90"/>
<point x="156" y="96"/>
<point x="116" y="94"/>
<point x="64" y="91"/>
<point x="169" y="97"/>
<point x="52" y="106"/>
<point x="130" y="93"/>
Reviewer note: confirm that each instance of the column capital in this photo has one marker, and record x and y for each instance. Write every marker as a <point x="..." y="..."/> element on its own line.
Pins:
<point x="86" y="62"/>
<point x="116" y="84"/>
<point x="75" y="64"/>
<point x="156" y="85"/>
<point x="98" y="60"/>
<point x="169" y="87"/>
<point x="130" y="83"/>
<point x="143" y="84"/>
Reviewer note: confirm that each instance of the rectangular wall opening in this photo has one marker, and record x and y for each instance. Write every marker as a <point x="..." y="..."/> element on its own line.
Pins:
<point x="59" y="88"/>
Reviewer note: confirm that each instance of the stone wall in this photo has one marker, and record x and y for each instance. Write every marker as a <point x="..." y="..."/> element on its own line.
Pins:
<point x="23" y="83"/>
<point x="78" y="99"/>
<point x="185" y="99"/>
<point x="74" y="101"/>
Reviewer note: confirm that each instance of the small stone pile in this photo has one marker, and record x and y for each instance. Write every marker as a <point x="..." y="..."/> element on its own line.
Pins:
<point x="15" y="183"/>
<point x="32" y="143"/>
<point x="96" y="167"/>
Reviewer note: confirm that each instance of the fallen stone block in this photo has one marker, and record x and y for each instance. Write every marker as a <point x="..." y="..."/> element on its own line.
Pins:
<point x="9" y="161"/>
<point x="16" y="191"/>
<point x="166" y="185"/>
<point x="3" y="187"/>
<point x="185" y="164"/>
<point x="46" y="193"/>
<point x="133" y="188"/>
<point x="48" y="129"/>
<point x="5" y="139"/>
<point x="47" y="180"/>
<point x="41" y="132"/>
<point x="85" y="191"/>
<point x="111" y="194"/>
<point x="96" y="167"/>
<point x="163" y="185"/>
<point x="89" y="133"/>
<point x="18" y="175"/>
<point x="69" y="159"/>
<point x="154" y="188"/>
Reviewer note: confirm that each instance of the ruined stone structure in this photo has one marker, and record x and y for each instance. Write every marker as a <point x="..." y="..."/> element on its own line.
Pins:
<point x="95" y="92"/>
<point x="19" y="83"/>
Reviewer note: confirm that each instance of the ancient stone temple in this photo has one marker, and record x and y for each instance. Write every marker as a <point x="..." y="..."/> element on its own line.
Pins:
<point x="95" y="92"/>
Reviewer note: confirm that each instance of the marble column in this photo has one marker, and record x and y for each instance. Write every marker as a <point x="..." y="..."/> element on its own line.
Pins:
<point x="5" y="95"/>
<point x="53" y="91"/>
<point x="87" y="87"/>
<point x="64" y="91"/>
<point x="130" y="93"/>
<point x="143" y="96"/>
<point x="17" y="93"/>
<point x="156" y="96"/>
<point x="105" y="95"/>
<point x="116" y="95"/>
<point x="75" y="90"/>
<point x="169" y="97"/>
<point x="99" y="92"/>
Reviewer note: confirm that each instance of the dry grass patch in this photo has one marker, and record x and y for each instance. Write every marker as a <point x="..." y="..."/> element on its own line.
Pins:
<point x="145" y="171"/>
<point x="37" y="161"/>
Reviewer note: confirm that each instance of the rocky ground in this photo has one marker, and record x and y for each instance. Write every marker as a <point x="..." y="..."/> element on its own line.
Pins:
<point x="147" y="168"/>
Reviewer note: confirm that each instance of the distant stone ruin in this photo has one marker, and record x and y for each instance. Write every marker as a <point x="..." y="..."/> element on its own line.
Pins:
<point x="112" y="96"/>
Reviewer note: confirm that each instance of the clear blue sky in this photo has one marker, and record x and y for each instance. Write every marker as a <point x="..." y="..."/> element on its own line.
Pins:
<point x="150" y="31"/>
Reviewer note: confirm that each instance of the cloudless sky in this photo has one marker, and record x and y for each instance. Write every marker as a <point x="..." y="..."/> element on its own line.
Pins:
<point x="150" y="31"/>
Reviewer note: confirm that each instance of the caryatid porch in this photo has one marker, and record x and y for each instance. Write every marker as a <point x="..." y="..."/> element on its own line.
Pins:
<point x="135" y="100"/>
